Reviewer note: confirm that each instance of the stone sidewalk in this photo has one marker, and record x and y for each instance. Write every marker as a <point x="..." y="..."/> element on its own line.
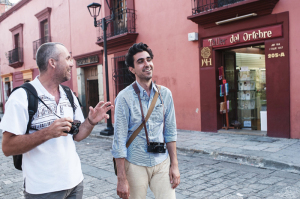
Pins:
<point x="263" y="152"/>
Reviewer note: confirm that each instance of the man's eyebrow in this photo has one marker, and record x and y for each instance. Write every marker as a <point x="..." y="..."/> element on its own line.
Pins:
<point x="143" y="58"/>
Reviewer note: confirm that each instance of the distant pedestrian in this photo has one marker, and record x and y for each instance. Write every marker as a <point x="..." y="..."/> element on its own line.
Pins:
<point x="145" y="162"/>
<point x="51" y="166"/>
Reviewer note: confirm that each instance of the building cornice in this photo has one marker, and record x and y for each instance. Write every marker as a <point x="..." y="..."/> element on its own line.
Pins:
<point x="45" y="12"/>
<point x="13" y="9"/>
<point x="20" y="25"/>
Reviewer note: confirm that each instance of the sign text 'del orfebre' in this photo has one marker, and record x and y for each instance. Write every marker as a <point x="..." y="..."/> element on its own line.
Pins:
<point x="244" y="36"/>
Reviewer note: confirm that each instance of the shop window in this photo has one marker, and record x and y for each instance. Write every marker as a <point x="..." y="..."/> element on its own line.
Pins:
<point x="245" y="72"/>
<point x="27" y="75"/>
<point x="7" y="83"/>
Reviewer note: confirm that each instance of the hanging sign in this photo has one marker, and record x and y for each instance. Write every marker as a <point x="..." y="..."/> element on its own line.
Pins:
<point x="206" y="57"/>
<point x="244" y="36"/>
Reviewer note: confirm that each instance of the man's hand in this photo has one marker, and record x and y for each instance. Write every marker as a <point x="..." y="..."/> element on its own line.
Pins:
<point x="123" y="188"/>
<point x="98" y="113"/>
<point x="95" y="115"/>
<point x="174" y="171"/>
<point x="174" y="176"/>
<point x="18" y="144"/>
<point x="57" y="128"/>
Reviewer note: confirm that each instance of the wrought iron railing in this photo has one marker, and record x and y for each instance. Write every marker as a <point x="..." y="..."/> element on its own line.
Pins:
<point x="15" y="55"/>
<point x="36" y="44"/>
<point x="199" y="6"/>
<point x="122" y="77"/>
<point x="124" y="22"/>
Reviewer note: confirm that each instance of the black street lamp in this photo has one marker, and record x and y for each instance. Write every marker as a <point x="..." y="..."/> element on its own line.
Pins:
<point x="95" y="13"/>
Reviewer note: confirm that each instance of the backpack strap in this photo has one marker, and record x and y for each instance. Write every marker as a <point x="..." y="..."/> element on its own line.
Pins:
<point x="32" y="102"/>
<point x="69" y="96"/>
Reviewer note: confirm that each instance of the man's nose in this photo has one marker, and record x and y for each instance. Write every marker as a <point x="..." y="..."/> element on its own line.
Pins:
<point x="146" y="63"/>
<point x="71" y="63"/>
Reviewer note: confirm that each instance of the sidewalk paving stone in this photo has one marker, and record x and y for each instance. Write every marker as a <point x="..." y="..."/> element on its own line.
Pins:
<point x="280" y="153"/>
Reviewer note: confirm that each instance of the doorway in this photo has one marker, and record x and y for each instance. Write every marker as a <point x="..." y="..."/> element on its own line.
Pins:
<point x="93" y="93"/>
<point x="91" y="88"/>
<point x="245" y="72"/>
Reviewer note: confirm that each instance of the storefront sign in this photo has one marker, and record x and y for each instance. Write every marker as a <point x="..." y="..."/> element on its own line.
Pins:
<point x="276" y="51"/>
<point x="88" y="60"/>
<point x="244" y="36"/>
<point x="206" y="57"/>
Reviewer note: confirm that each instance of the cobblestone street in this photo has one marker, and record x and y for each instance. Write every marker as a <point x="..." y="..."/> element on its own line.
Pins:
<point x="201" y="177"/>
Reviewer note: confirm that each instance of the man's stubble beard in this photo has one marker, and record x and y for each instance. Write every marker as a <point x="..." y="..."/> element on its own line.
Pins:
<point x="60" y="77"/>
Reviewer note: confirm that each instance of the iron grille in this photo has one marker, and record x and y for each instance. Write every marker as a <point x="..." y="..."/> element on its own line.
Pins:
<point x="36" y="44"/>
<point x="124" y="22"/>
<point x="199" y="6"/>
<point x="122" y="77"/>
<point x="15" y="55"/>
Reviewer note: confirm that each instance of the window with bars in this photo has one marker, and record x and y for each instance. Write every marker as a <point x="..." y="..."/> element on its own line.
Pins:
<point x="121" y="75"/>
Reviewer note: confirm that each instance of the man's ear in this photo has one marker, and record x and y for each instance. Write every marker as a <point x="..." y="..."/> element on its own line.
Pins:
<point x="131" y="69"/>
<point x="51" y="62"/>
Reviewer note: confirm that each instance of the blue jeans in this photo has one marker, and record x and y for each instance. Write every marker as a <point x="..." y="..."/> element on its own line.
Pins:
<point x="74" y="193"/>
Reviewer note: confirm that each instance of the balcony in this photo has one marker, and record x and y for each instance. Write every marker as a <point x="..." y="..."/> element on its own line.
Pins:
<point x="36" y="44"/>
<point x="15" y="57"/>
<point x="199" y="6"/>
<point x="121" y="30"/>
<point x="207" y="12"/>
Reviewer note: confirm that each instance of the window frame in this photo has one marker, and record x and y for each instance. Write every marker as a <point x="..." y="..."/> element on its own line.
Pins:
<point x="42" y="16"/>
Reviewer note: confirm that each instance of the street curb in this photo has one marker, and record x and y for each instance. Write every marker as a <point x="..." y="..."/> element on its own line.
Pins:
<point x="246" y="160"/>
<point x="235" y="158"/>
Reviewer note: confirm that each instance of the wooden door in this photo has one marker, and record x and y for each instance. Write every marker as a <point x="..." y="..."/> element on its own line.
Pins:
<point x="93" y="93"/>
<point x="91" y="90"/>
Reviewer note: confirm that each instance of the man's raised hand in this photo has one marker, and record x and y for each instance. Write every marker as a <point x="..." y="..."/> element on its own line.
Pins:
<point x="98" y="113"/>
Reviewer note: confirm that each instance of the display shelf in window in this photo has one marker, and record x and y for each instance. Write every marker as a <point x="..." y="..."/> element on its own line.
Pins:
<point x="246" y="104"/>
<point x="247" y="75"/>
<point x="246" y="95"/>
<point x="246" y="85"/>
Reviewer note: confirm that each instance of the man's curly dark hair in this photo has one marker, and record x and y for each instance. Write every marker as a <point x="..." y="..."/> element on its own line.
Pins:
<point x="134" y="49"/>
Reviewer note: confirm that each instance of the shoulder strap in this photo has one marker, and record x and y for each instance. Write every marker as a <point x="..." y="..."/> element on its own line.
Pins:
<point x="137" y="131"/>
<point x="32" y="102"/>
<point x="137" y="91"/>
<point x="69" y="96"/>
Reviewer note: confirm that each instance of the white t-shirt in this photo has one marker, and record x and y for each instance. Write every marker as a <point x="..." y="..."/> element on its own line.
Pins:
<point x="55" y="164"/>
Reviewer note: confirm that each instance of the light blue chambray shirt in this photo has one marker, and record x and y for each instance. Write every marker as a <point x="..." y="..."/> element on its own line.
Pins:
<point x="128" y="118"/>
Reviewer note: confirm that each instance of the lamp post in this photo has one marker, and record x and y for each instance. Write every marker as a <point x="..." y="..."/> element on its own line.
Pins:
<point x="93" y="9"/>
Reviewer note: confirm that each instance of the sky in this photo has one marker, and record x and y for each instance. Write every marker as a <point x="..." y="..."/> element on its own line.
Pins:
<point x="14" y="1"/>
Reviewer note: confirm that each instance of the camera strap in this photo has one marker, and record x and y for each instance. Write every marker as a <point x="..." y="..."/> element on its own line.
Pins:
<point x="44" y="103"/>
<point x="144" y="120"/>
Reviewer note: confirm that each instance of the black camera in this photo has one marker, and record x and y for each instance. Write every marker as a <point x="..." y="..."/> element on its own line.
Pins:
<point x="156" y="147"/>
<point x="75" y="127"/>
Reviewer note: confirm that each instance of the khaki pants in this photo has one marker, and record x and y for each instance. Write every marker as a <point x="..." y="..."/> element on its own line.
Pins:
<point x="157" y="177"/>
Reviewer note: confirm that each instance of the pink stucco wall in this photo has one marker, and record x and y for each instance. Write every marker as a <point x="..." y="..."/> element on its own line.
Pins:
<point x="176" y="61"/>
<point x="294" y="15"/>
<point x="70" y="23"/>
